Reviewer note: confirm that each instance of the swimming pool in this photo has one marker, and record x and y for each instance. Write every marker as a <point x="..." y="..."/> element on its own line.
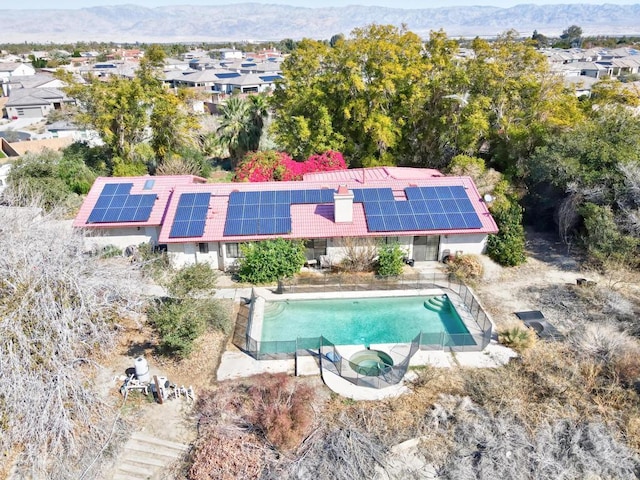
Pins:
<point x="362" y="321"/>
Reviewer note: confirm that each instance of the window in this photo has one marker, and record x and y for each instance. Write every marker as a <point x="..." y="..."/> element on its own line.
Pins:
<point x="148" y="185"/>
<point x="391" y="240"/>
<point x="233" y="250"/>
<point x="314" y="248"/>
<point x="203" y="247"/>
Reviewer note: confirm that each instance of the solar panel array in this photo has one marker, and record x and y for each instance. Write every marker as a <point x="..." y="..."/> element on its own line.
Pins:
<point x="191" y="215"/>
<point x="426" y="208"/>
<point x="116" y="204"/>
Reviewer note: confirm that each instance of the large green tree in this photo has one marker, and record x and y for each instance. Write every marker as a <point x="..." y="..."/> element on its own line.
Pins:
<point x="133" y="114"/>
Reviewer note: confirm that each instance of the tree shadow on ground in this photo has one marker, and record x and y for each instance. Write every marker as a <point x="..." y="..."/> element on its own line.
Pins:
<point x="546" y="247"/>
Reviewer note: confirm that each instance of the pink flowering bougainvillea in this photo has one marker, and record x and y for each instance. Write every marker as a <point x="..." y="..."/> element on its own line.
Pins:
<point x="271" y="165"/>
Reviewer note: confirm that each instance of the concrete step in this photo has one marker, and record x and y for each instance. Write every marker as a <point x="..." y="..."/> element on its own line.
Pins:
<point x="135" y="471"/>
<point x="145" y="456"/>
<point x="143" y="437"/>
<point x="143" y="459"/>
<point x="127" y="476"/>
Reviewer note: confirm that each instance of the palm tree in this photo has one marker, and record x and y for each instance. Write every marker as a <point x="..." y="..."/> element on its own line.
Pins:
<point x="259" y="110"/>
<point x="235" y="126"/>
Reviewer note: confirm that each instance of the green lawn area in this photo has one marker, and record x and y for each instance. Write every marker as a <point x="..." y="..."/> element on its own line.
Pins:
<point x="2" y="155"/>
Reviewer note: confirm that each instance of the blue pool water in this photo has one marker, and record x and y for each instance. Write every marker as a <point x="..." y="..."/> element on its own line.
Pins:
<point x="359" y="321"/>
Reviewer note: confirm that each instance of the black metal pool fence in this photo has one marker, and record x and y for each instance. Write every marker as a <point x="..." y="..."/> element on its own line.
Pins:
<point x="463" y="298"/>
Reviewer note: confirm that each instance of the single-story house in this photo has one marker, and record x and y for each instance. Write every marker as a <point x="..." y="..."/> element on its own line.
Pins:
<point x="8" y="70"/>
<point x="430" y="215"/>
<point x="35" y="102"/>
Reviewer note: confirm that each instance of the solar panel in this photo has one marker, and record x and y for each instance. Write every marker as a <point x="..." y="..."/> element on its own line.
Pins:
<point x="413" y="193"/>
<point x="234" y="211"/>
<point x="434" y="206"/>
<point x="404" y="208"/>
<point x="388" y="208"/>
<point x="267" y="211"/>
<point x="358" y="196"/>
<point x="408" y="222"/>
<point x="392" y="222"/>
<point x="236" y="198"/>
<point x="267" y="197"/>
<point x="443" y="192"/>
<point x="249" y="227"/>
<point x="440" y="221"/>
<point x="456" y="220"/>
<point x="191" y="214"/>
<point x="312" y="196"/>
<point x="252" y="198"/>
<point x="464" y="205"/>
<point x="116" y="205"/>
<point x="326" y="195"/>
<point x="267" y="226"/>
<point x="375" y="223"/>
<point x="372" y="208"/>
<point x="471" y="220"/>
<point x="232" y="227"/>
<point x="385" y="194"/>
<point x="449" y="206"/>
<point x="424" y="222"/>
<point x="297" y="196"/>
<point x="458" y="192"/>
<point x="283" y="225"/>
<point x="283" y="197"/>
<point x="282" y="210"/>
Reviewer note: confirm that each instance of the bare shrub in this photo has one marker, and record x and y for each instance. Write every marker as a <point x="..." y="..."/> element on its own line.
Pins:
<point x="602" y="343"/>
<point x="58" y="315"/>
<point x="359" y="254"/>
<point x="343" y="451"/>
<point x="568" y="450"/>
<point x="489" y="445"/>
<point x="467" y="268"/>
<point x="227" y="455"/>
<point x="281" y="409"/>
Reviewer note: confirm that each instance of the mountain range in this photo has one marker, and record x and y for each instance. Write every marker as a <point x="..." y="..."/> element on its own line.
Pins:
<point x="253" y="22"/>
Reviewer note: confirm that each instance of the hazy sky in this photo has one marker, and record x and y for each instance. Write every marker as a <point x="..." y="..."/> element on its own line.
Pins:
<point x="29" y="4"/>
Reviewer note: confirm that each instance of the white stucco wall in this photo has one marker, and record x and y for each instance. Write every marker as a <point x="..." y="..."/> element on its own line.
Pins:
<point x="121" y="237"/>
<point x="182" y="254"/>
<point x="467" y="244"/>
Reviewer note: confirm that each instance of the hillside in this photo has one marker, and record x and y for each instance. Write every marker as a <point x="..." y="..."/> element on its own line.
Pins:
<point x="252" y="21"/>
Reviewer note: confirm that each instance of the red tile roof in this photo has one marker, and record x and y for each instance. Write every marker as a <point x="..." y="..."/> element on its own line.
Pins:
<point x="307" y="220"/>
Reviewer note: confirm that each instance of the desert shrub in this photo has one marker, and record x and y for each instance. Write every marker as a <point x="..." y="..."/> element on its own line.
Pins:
<point x="467" y="268"/>
<point x="517" y="337"/>
<point x="359" y="254"/>
<point x="281" y="409"/>
<point x="180" y="322"/>
<point x="154" y="263"/>
<point x="270" y="260"/>
<point x="193" y="280"/>
<point x="390" y="259"/>
<point x="111" y="251"/>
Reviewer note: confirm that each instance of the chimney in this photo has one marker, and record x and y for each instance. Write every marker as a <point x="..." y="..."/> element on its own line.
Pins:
<point x="343" y="205"/>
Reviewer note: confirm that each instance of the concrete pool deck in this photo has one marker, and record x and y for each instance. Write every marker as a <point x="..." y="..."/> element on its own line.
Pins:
<point x="236" y="364"/>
